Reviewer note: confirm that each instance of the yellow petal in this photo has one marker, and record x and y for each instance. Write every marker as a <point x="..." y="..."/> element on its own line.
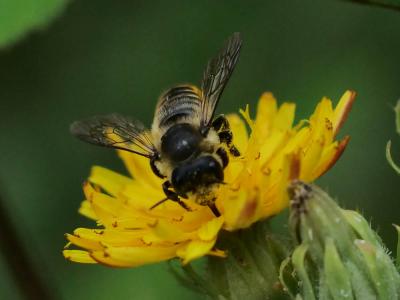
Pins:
<point x="134" y="256"/>
<point x="86" y="210"/>
<point x="192" y="220"/>
<point x="139" y="168"/>
<point x="298" y="141"/>
<point x="310" y="158"/>
<point x="79" y="256"/>
<point x="329" y="157"/>
<point x="240" y="210"/>
<point x="84" y="243"/>
<point x="285" y="117"/>
<point x="195" y="249"/>
<point x="110" y="181"/>
<point x="266" y="112"/>
<point x="321" y="121"/>
<point x="114" y="238"/>
<point x="209" y="230"/>
<point x="113" y="212"/>
<point x="276" y="141"/>
<point x="142" y="197"/>
<point x="164" y="231"/>
<point x="240" y="136"/>
<point x="276" y="198"/>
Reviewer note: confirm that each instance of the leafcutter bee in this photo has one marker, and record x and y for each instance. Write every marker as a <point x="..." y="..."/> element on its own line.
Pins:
<point x="187" y="145"/>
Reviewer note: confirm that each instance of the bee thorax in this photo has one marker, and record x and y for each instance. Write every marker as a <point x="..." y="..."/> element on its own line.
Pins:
<point x="180" y="142"/>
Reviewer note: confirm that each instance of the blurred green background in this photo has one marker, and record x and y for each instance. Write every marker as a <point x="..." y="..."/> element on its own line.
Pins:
<point x="117" y="56"/>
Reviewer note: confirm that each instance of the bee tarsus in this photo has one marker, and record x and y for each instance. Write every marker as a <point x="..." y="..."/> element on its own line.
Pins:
<point x="214" y="209"/>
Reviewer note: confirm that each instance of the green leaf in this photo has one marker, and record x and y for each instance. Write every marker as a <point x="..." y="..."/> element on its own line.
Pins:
<point x="390" y="159"/>
<point x="397" y="112"/>
<point x="391" y="4"/>
<point x="18" y="17"/>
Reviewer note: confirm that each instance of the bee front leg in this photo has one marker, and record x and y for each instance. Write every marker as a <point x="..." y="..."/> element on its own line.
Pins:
<point x="222" y="127"/>
<point x="154" y="168"/>
<point x="171" y="195"/>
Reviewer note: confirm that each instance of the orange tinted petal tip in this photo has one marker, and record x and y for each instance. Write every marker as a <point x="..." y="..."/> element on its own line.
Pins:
<point x="295" y="166"/>
<point x="267" y="97"/>
<point x="339" y="151"/>
<point x="342" y="109"/>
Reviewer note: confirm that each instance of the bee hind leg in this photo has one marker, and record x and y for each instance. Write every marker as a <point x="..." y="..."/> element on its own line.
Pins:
<point x="171" y="195"/>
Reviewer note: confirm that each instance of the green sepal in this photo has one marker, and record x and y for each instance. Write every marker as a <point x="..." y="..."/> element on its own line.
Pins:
<point x="384" y="276"/>
<point x="287" y="277"/>
<point x="336" y="276"/>
<point x="188" y="277"/>
<point x="344" y="255"/>
<point x="298" y="260"/>
<point x="361" y="227"/>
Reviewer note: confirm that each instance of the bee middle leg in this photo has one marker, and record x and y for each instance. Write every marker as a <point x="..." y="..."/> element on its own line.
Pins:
<point x="171" y="195"/>
<point x="220" y="123"/>
<point x="226" y="137"/>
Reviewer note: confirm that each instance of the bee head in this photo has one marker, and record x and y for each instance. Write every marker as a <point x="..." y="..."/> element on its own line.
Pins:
<point x="201" y="172"/>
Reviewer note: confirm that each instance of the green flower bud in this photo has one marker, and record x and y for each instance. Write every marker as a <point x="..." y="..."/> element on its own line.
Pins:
<point x="338" y="255"/>
<point x="249" y="271"/>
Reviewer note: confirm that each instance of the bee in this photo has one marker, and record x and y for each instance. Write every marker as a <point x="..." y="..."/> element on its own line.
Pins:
<point x="187" y="145"/>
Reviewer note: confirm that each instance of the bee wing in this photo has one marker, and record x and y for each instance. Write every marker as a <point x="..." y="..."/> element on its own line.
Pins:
<point x="115" y="131"/>
<point x="216" y="76"/>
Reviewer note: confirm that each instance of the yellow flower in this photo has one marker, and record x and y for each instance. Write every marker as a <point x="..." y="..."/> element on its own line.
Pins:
<point x="275" y="153"/>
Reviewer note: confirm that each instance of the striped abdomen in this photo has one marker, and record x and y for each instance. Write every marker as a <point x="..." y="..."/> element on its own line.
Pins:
<point x="177" y="105"/>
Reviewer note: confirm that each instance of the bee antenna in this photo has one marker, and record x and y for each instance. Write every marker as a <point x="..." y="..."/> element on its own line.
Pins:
<point x="158" y="203"/>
